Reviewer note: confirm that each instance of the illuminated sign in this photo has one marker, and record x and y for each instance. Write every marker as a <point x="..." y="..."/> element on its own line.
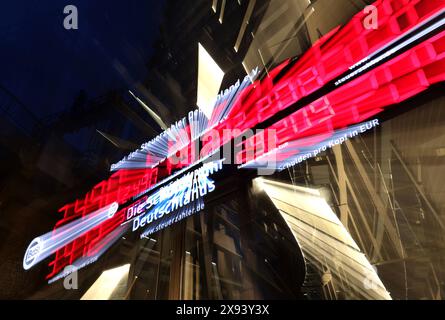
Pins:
<point x="185" y="131"/>
<point x="182" y="198"/>
<point x="178" y="194"/>
<point x="346" y="78"/>
<point x="43" y="246"/>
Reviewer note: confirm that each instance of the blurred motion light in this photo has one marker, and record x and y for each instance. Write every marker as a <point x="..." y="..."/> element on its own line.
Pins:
<point x="324" y="240"/>
<point x="106" y="284"/>
<point x="210" y="77"/>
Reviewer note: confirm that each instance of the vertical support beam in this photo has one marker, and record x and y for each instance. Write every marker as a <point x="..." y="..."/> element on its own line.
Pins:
<point x="207" y="238"/>
<point x="343" y="192"/>
<point x="417" y="185"/>
<point x="361" y="213"/>
<point x="382" y="211"/>
<point x="177" y="263"/>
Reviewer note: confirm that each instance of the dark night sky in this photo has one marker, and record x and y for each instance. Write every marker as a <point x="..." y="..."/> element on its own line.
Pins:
<point x="46" y="66"/>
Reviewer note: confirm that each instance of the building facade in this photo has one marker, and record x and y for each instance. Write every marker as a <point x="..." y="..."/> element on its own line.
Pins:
<point x="353" y="206"/>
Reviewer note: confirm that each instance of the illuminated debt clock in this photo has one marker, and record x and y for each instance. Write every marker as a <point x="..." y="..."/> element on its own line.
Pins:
<point x="346" y="78"/>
